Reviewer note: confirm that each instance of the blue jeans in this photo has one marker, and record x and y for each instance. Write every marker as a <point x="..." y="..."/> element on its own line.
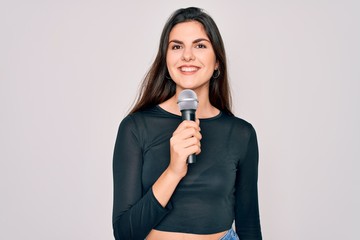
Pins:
<point x="230" y="235"/>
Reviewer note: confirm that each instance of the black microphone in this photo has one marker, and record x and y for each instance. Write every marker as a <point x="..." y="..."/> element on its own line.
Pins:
<point x="188" y="104"/>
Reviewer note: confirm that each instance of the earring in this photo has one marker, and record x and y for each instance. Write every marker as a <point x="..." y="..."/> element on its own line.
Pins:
<point x="216" y="73"/>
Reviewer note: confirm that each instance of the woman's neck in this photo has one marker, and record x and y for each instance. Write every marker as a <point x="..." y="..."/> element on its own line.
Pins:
<point x="204" y="110"/>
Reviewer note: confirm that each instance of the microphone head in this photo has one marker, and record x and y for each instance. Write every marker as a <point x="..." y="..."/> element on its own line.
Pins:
<point x="187" y="100"/>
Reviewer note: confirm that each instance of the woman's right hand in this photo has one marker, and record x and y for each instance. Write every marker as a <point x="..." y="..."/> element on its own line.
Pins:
<point x="184" y="141"/>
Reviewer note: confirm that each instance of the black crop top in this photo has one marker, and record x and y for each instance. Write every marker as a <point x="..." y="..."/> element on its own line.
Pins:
<point x="220" y="187"/>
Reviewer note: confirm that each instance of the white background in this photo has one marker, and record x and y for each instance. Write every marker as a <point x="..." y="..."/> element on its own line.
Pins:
<point x="70" y="70"/>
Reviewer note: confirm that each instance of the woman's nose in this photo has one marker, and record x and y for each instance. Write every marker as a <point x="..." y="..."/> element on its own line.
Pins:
<point x="188" y="55"/>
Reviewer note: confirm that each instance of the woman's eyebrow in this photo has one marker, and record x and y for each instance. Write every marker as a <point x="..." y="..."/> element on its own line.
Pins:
<point x="200" y="40"/>
<point x="195" y="41"/>
<point x="176" y="41"/>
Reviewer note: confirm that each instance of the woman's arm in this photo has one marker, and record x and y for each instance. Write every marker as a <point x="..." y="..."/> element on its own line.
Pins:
<point x="134" y="215"/>
<point x="184" y="141"/>
<point x="247" y="220"/>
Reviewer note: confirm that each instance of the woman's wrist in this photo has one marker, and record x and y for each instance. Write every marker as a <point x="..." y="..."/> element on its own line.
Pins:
<point x="165" y="186"/>
<point x="175" y="174"/>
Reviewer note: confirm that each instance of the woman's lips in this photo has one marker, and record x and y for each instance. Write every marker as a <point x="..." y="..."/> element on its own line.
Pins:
<point x="188" y="69"/>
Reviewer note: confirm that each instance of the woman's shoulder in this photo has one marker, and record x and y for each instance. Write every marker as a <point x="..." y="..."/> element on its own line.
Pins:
<point x="238" y="121"/>
<point x="147" y="112"/>
<point x="142" y="117"/>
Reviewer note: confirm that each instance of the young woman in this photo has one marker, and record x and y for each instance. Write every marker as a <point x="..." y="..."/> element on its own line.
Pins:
<point x="157" y="195"/>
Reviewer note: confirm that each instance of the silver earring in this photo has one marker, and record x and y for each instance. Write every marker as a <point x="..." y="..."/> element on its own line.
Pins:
<point x="216" y="73"/>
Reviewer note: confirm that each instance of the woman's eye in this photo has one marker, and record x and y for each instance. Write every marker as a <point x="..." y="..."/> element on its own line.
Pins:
<point x="175" y="47"/>
<point x="200" y="45"/>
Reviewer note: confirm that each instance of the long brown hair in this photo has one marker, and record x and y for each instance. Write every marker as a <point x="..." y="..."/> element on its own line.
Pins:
<point x="157" y="88"/>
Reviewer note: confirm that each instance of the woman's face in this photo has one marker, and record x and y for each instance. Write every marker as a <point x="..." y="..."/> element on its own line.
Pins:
<point x="190" y="57"/>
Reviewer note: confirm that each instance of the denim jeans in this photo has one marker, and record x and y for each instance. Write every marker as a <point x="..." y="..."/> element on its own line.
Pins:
<point x="230" y="235"/>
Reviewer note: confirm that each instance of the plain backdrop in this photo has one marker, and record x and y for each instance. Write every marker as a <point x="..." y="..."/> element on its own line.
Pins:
<point x="70" y="71"/>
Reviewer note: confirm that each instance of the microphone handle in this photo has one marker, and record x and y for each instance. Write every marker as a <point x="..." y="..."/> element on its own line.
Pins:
<point x="189" y="114"/>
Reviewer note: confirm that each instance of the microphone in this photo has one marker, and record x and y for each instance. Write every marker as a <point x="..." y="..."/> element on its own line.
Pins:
<point x="188" y="103"/>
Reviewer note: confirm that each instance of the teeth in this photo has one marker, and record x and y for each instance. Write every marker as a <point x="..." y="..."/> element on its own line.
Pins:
<point x="188" y="69"/>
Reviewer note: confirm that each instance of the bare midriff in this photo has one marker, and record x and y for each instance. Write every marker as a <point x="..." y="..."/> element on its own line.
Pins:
<point x="161" y="235"/>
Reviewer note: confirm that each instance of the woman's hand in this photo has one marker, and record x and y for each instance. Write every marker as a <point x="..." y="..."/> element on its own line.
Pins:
<point x="184" y="141"/>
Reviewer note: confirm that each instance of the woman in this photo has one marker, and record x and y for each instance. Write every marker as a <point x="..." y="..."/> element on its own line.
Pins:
<point x="157" y="195"/>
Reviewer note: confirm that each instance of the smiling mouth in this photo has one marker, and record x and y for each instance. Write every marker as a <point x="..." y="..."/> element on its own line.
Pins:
<point x="189" y="69"/>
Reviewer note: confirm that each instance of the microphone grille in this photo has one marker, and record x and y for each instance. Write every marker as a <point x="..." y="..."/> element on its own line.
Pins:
<point x="187" y="100"/>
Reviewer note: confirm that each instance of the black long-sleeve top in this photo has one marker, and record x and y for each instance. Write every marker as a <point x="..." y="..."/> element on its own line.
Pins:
<point x="219" y="188"/>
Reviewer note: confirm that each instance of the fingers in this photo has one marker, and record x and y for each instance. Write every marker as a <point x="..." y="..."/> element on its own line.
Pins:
<point x="188" y="124"/>
<point x="193" y="146"/>
<point x="197" y="122"/>
<point x="186" y="147"/>
<point x="186" y="139"/>
<point x="188" y="133"/>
